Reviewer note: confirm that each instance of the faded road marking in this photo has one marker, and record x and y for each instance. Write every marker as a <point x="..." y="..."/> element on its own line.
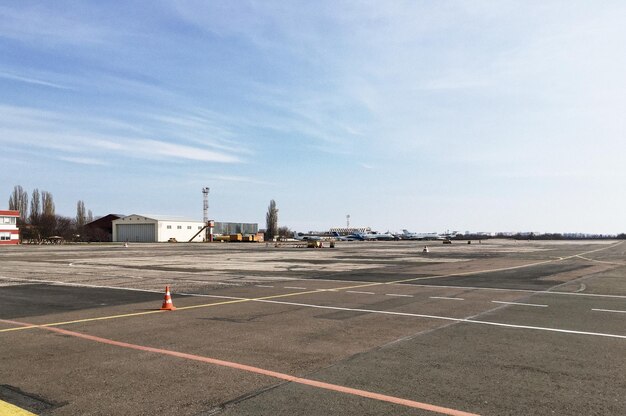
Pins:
<point x="519" y="303"/>
<point x="608" y="310"/>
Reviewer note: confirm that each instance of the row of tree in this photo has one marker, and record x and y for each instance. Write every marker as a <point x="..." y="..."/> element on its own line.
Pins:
<point x="543" y="236"/>
<point x="38" y="220"/>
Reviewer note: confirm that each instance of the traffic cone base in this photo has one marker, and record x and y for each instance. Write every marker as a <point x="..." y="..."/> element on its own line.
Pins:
<point x="167" y="301"/>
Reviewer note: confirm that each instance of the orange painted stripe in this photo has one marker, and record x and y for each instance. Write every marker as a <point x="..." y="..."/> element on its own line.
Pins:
<point x="257" y="370"/>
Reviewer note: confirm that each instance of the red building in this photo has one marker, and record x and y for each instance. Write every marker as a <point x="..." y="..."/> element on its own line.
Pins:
<point x="9" y="233"/>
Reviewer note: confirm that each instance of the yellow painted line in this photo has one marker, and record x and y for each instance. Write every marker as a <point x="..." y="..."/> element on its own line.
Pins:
<point x="229" y="302"/>
<point x="501" y="269"/>
<point x="504" y="268"/>
<point x="7" y="409"/>
<point x="99" y="318"/>
<point x="126" y="315"/>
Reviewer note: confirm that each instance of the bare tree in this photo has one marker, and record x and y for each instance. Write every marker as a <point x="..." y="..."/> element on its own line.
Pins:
<point x="271" y="221"/>
<point x="285" y="232"/>
<point x="35" y="208"/>
<point x="63" y="227"/>
<point x="19" y="202"/>
<point x="81" y="216"/>
<point x="89" y="216"/>
<point x="47" y="220"/>
<point x="47" y="204"/>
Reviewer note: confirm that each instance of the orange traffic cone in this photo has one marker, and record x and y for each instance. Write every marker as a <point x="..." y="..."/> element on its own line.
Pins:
<point x="167" y="301"/>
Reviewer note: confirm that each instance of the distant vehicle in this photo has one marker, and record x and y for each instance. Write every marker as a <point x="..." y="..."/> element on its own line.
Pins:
<point x="407" y="235"/>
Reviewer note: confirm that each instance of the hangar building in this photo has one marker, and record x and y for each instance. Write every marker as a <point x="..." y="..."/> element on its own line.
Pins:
<point x="155" y="228"/>
<point x="101" y="229"/>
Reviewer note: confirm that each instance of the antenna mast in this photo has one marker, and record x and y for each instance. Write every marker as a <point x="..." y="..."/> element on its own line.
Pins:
<point x="205" y="205"/>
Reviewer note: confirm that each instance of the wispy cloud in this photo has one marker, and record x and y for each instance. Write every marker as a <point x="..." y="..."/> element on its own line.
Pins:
<point x="242" y="179"/>
<point x="34" y="81"/>
<point x="35" y="128"/>
<point x="37" y="24"/>
<point x="151" y="148"/>
<point x="83" y="160"/>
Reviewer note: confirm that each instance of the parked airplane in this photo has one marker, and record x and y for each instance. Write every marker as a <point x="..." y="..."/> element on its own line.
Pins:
<point x="374" y="236"/>
<point x="406" y="235"/>
<point x="339" y="237"/>
<point x="306" y="237"/>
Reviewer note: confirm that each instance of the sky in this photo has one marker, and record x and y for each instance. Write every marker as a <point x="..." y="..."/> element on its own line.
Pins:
<point x="425" y="115"/>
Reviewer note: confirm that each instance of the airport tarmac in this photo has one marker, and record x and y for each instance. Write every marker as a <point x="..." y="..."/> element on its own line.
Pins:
<point x="366" y="328"/>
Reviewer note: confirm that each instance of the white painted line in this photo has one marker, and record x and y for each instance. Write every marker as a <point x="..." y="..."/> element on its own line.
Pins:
<point x="183" y="280"/>
<point x="445" y="298"/>
<point x="446" y="318"/>
<point x="608" y="310"/>
<point x="59" y="283"/>
<point x="295" y="287"/>
<point x="521" y="266"/>
<point x="496" y="289"/>
<point x="263" y="286"/>
<point x="600" y="261"/>
<point x="398" y="295"/>
<point x="359" y="292"/>
<point x="416" y="315"/>
<point x="199" y="295"/>
<point x="518" y="303"/>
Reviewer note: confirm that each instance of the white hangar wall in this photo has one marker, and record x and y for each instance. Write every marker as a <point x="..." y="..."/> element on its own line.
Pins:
<point x="152" y="228"/>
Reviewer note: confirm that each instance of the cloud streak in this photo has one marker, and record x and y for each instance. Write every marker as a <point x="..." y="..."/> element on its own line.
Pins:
<point x="31" y="128"/>
<point x="34" y="81"/>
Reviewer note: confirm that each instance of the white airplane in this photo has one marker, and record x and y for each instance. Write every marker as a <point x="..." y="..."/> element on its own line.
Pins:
<point x="407" y="235"/>
<point x="376" y="236"/>
<point x="306" y="237"/>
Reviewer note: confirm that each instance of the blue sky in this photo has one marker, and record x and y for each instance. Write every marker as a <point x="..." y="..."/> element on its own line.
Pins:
<point x="426" y="115"/>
